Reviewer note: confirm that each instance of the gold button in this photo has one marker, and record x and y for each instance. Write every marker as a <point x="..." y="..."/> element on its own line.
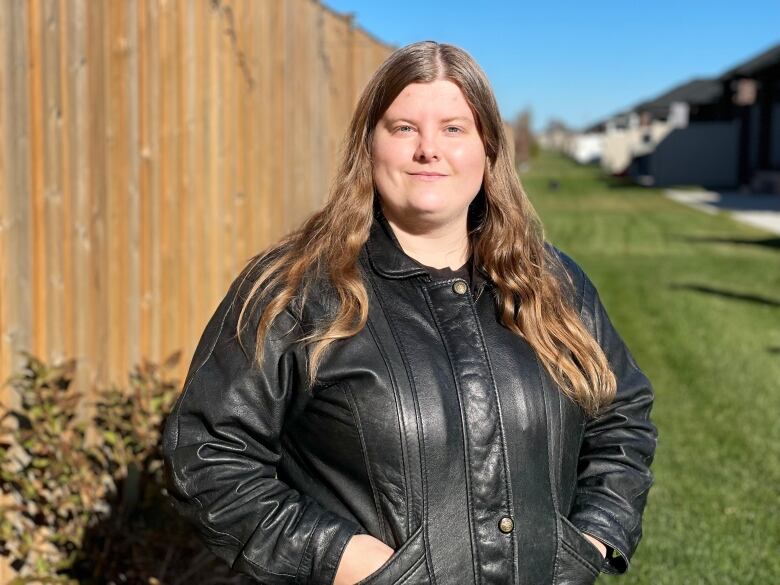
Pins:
<point x="506" y="525"/>
<point x="460" y="287"/>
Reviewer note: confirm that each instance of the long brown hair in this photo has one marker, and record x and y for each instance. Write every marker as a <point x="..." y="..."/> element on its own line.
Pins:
<point x="507" y="237"/>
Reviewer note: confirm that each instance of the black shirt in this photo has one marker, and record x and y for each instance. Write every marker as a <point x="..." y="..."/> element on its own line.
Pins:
<point x="463" y="272"/>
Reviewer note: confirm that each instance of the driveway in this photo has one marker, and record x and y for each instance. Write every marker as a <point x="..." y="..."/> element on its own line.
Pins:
<point x="761" y="211"/>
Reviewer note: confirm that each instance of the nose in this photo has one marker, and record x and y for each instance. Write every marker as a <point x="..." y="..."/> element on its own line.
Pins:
<point x="427" y="148"/>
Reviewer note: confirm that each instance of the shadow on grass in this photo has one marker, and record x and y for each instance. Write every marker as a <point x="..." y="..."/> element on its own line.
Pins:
<point x="622" y="183"/>
<point x="727" y="294"/>
<point x="773" y="350"/>
<point x="772" y="243"/>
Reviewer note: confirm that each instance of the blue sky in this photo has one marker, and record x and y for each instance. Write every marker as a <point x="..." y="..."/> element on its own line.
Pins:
<point x="575" y="60"/>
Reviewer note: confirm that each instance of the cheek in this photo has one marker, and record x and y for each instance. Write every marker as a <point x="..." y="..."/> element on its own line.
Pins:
<point x="470" y="160"/>
<point x="387" y="157"/>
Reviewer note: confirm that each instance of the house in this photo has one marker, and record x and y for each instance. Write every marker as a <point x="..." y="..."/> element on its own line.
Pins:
<point x="754" y="89"/>
<point x="719" y="133"/>
<point x="724" y="132"/>
<point x="685" y="140"/>
<point x="586" y="147"/>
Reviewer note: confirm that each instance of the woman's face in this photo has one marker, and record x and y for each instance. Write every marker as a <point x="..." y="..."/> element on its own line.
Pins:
<point x="428" y="158"/>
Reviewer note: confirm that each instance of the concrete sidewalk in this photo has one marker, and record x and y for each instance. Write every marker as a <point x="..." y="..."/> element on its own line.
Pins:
<point x="761" y="211"/>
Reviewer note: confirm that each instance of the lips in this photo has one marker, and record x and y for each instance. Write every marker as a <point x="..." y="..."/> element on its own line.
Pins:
<point x="427" y="176"/>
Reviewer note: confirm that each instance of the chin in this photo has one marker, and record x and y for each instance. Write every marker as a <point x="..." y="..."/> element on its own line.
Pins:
<point x="427" y="210"/>
<point x="429" y="202"/>
<point x="427" y="216"/>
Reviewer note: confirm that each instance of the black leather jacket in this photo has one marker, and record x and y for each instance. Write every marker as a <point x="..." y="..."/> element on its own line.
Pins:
<point x="435" y="429"/>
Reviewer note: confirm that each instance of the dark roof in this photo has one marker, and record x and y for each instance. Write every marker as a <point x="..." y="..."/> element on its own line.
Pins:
<point x="597" y="127"/>
<point x="698" y="91"/>
<point x="694" y="92"/>
<point x="600" y="125"/>
<point x="751" y="67"/>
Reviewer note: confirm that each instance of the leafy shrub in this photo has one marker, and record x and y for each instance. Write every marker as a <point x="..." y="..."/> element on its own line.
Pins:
<point x="86" y="503"/>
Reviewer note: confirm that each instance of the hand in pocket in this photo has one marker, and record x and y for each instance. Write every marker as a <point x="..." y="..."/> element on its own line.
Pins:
<point x="362" y="556"/>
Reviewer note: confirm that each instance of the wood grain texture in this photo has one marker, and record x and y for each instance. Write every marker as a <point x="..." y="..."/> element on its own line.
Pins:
<point x="148" y="149"/>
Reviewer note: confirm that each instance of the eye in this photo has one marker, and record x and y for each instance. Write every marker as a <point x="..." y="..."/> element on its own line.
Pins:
<point x="457" y="130"/>
<point x="403" y="128"/>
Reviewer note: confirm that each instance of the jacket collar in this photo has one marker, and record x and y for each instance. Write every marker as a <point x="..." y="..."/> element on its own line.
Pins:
<point x="388" y="258"/>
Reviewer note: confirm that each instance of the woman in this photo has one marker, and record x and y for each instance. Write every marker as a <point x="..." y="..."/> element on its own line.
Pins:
<point x="414" y="387"/>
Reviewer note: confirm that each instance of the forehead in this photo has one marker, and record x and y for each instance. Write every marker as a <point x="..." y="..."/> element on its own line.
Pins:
<point x="440" y="97"/>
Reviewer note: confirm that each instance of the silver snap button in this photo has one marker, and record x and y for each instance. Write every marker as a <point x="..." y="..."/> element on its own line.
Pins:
<point x="460" y="287"/>
<point x="506" y="525"/>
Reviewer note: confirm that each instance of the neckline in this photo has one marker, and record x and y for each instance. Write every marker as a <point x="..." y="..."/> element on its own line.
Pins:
<point x="386" y="256"/>
<point x="460" y="268"/>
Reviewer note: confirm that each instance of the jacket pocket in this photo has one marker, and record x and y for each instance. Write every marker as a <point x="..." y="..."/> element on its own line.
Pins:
<point x="578" y="562"/>
<point x="406" y="566"/>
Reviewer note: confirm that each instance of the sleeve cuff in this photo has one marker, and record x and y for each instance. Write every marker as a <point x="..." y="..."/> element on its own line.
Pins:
<point x="325" y="548"/>
<point x="601" y="525"/>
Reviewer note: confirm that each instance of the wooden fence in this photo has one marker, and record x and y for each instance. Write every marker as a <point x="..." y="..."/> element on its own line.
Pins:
<point x="148" y="148"/>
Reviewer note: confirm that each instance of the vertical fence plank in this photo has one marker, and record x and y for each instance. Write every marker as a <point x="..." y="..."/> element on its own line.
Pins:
<point x="14" y="204"/>
<point x="200" y="250"/>
<point x="179" y="195"/>
<point x="243" y="220"/>
<point x="98" y="165"/>
<point x="16" y="212"/>
<point x="150" y="174"/>
<point x="119" y="189"/>
<point x="190" y="258"/>
<point x="5" y="200"/>
<point x="263" y="123"/>
<point x="320" y="104"/>
<point x="131" y="282"/>
<point x="227" y="160"/>
<point x="144" y="179"/>
<point x="166" y="161"/>
<point x="15" y="250"/>
<point x="297" y="112"/>
<point x="213" y="85"/>
<point x="249" y="109"/>
<point x="283" y="103"/>
<point x="65" y="79"/>
<point x="35" y="153"/>
<point x="337" y="87"/>
<point x="52" y="208"/>
<point x="82" y="301"/>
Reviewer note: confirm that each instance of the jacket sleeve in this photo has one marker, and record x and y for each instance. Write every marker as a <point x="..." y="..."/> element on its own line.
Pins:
<point x="618" y="445"/>
<point x="221" y="445"/>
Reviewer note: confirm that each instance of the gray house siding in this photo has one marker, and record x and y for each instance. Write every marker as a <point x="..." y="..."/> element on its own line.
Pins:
<point x="703" y="153"/>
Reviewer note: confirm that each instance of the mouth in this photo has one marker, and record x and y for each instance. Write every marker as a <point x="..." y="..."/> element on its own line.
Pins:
<point x="427" y="176"/>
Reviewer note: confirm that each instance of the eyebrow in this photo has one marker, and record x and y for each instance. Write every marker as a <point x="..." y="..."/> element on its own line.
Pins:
<point x="444" y="121"/>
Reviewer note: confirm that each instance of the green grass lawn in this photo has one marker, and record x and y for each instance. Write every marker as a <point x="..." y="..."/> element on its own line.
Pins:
<point x="697" y="299"/>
